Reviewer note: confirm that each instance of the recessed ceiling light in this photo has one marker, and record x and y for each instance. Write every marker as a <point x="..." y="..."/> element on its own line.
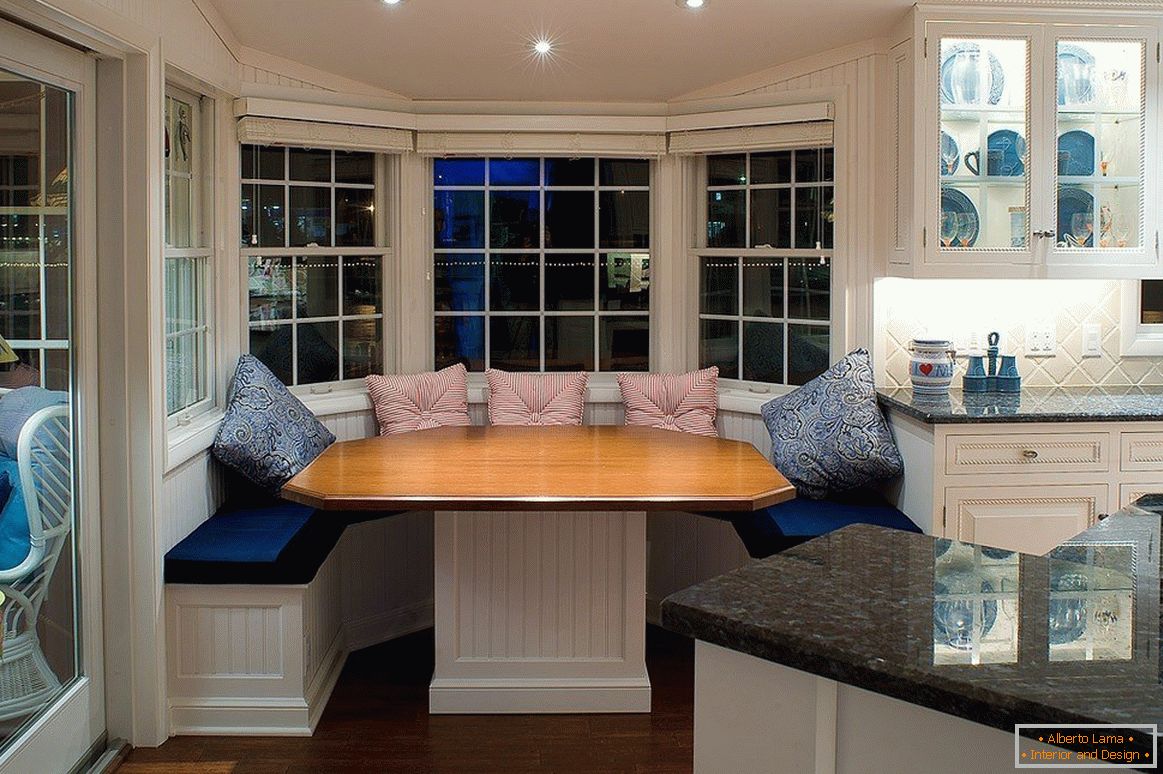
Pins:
<point x="542" y="46"/>
<point x="392" y="2"/>
<point x="692" y="4"/>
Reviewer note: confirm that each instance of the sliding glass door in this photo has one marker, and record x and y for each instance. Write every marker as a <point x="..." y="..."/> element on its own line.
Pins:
<point x="51" y="697"/>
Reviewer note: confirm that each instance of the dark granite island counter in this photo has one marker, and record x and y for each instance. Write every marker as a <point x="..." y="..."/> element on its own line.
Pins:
<point x="874" y="650"/>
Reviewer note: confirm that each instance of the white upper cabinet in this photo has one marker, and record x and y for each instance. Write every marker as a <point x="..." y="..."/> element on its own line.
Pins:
<point x="1025" y="148"/>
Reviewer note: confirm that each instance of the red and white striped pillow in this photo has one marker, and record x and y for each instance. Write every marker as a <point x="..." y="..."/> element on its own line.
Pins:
<point x="407" y="402"/>
<point x="683" y="402"/>
<point x="536" y="399"/>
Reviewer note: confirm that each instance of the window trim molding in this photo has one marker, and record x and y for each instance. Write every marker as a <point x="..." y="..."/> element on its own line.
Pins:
<point x="204" y="170"/>
<point x="1136" y="339"/>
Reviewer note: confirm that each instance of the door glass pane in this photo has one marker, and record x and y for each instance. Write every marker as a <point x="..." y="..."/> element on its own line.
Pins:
<point x="39" y="594"/>
<point x="1101" y="109"/>
<point x="983" y="143"/>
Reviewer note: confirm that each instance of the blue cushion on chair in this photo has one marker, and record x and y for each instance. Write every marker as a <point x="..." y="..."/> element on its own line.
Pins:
<point x="267" y="435"/>
<point x="830" y="436"/>
<point x="284" y="543"/>
<point x="771" y="530"/>
<point x="14" y="539"/>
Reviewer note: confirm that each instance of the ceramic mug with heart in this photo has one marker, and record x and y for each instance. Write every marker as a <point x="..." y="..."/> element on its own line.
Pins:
<point x="931" y="366"/>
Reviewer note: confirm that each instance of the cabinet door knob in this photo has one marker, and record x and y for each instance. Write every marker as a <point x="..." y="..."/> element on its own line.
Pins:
<point x="1103" y="516"/>
<point x="1030" y="454"/>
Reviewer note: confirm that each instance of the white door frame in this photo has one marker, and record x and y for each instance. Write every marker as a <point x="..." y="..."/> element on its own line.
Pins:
<point x="67" y="731"/>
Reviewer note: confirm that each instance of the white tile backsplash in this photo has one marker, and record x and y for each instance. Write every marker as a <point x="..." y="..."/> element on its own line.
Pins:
<point x="955" y="308"/>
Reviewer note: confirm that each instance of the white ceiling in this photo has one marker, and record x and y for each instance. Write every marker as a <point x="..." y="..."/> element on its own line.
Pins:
<point x="604" y="50"/>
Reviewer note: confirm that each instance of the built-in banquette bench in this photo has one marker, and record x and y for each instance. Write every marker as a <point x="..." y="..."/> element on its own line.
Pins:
<point x="254" y="597"/>
<point x="253" y="615"/>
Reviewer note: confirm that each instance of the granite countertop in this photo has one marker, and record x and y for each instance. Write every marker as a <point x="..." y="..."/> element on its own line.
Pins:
<point x="1032" y="404"/>
<point x="879" y="609"/>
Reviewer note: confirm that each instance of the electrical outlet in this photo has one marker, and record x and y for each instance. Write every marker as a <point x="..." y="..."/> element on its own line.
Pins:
<point x="1092" y="340"/>
<point x="1041" y="340"/>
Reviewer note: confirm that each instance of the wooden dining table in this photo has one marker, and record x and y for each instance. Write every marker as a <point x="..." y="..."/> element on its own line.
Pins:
<point x="540" y="547"/>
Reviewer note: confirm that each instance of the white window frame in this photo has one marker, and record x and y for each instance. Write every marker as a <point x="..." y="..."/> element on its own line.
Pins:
<point x="1138" y="339"/>
<point x="202" y="229"/>
<point x="597" y="252"/>
<point x="698" y="250"/>
<point x="385" y="175"/>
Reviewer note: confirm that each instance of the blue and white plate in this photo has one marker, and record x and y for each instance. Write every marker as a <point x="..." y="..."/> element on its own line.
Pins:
<point x="1079" y="144"/>
<point x="949" y="150"/>
<point x="953" y="200"/>
<point x="1075" y="75"/>
<point x="1013" y="147"/>
<point x="1071" y="201"/>
<point x="957" y="74"/>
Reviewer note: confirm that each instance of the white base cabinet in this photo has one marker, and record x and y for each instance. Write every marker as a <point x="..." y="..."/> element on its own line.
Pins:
<point x="1024" y="486"/>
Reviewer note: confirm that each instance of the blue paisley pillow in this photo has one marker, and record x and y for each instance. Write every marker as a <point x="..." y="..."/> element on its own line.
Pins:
<point x="268" y="435"/>
<point x="830" y="436"/>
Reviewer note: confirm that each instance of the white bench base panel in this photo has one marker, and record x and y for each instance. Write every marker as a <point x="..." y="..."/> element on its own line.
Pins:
<point x="262" y="660"/>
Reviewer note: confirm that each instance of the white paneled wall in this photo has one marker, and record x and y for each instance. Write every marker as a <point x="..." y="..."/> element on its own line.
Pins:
<point x="190" y="493"/>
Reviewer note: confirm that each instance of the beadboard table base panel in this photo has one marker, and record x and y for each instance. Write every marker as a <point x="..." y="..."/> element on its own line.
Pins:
<point x="540" y="612"/>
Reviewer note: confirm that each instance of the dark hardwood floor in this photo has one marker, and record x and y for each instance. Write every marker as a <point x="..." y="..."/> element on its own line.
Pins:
<point x="378" y="721"/>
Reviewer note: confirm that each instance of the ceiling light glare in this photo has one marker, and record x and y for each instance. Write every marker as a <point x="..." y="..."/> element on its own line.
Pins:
<point x="392" y="2"/>
<point x="542" y="47"/>
<point x="691" y="4"/>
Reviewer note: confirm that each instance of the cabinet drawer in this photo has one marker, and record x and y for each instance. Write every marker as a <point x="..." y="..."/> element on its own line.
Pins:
<point x="1142" y="451"/>
<point x="1128" y="493"/>
<point x="1030" y="519"/>
<point x="1046" y="452"/>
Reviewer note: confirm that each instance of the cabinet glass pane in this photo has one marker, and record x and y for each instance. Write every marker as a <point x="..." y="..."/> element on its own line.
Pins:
<point x="1101" y="106"/>
<point x="983" y="143"/>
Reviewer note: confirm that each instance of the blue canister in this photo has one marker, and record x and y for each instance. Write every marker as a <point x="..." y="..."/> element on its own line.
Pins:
<point x="1008" y="379"/>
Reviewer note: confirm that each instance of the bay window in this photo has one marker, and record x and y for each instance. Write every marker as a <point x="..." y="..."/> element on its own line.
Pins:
<point x="188" y="256"/>
<point x="314" y="262"/>
<point x="765" y="266"/>
<point x="542" y="264"/>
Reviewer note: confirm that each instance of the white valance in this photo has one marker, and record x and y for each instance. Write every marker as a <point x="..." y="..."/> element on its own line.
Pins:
<point x="540" y="143"/>
<point x="805" y="134"/>
<point x="317" y="134"/>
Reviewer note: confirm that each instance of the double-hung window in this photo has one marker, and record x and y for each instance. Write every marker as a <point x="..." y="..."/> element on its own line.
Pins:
<point x="35" y="233"/>
<point x="542" y="264"/>
<point x="765" y="265"/>
<point x="314" y="254"/>
<point x="188" y="257"/>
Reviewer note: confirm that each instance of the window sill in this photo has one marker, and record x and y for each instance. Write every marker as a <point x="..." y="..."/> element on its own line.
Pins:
<point x="184" y="442"/>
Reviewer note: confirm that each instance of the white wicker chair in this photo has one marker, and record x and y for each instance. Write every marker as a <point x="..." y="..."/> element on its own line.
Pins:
<point x="44" y="459"/>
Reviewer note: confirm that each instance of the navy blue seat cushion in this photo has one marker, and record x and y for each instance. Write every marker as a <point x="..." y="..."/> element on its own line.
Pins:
<point x="771" y="530"/>
<point x="280" y="543"/>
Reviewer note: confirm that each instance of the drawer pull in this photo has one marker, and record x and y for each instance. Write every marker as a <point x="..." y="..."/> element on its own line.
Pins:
<point x="1103" y="516"/>
<point x="1030" y="454"/>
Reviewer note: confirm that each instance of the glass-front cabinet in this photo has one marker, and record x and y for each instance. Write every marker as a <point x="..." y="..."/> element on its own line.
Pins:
<point x="1034" y="148"/>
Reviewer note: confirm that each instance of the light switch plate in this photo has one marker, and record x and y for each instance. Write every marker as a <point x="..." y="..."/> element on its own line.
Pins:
<point x="1092" y="340"/>
<point x="1041" y="340"/>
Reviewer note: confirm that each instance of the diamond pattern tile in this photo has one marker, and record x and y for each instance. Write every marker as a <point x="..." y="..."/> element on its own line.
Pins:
<point x="1070" y="304"/>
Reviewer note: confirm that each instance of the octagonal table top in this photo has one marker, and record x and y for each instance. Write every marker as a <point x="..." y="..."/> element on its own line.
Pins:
<point x="540" y="468"/>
